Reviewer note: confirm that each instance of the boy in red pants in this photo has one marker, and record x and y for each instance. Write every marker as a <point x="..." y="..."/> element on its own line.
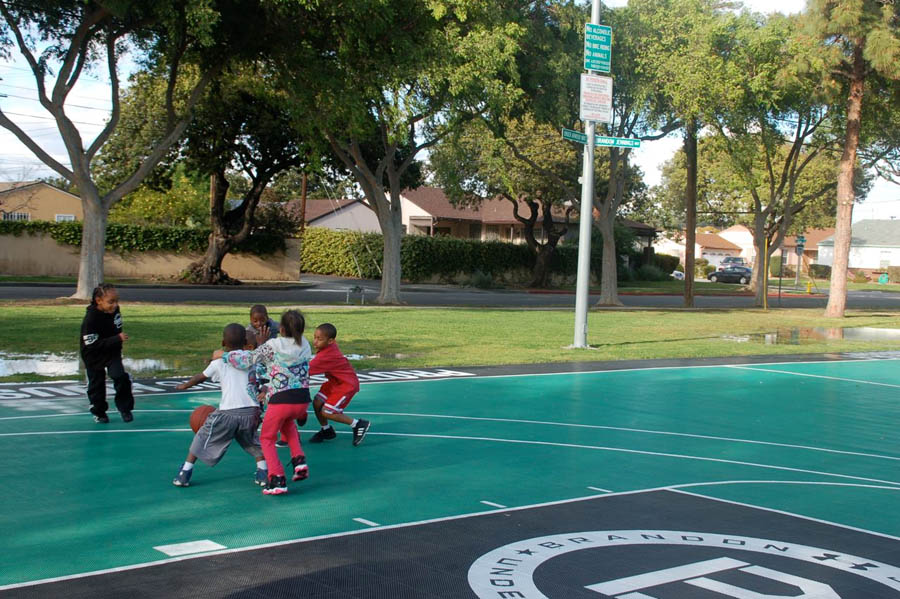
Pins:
<point x="338" y="390"/>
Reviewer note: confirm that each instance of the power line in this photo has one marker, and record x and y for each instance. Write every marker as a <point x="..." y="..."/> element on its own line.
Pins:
<point x="67" y="105"/>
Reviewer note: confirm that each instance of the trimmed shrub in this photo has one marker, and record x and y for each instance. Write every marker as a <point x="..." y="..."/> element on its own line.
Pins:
<point x="820" y="271"/>
<point x="860" y="277"/>
<point x="136" y="238"/>
<point x="666" y="263"/>
<point x="649" y="272"/>
<point x="702" y="267"/>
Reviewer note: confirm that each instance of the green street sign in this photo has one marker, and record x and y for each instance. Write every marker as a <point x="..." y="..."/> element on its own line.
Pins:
<point x="617" y="142"/>
<point x="601" y="140"/>
<point x="597" y="47"/>
<point x="574" y="135"/>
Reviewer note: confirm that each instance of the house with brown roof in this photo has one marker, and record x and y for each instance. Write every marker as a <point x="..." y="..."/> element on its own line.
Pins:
<point x="709" y="246"/>
<point x="37" y="200"/>
<point x="810" y="254"/>
<point x="428" y="211"/>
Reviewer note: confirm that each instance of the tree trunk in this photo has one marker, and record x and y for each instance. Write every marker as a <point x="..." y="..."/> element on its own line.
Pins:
<point x="541" y="273"/>
<point x="93" y="246"/>
<point x="760" y="270"/>
<point x="208" y="270"/>
<point x="837" y="294"/>
<point x="609" y="288"/>
<point x="690" y="218"/>
<point x="392" y="232"/>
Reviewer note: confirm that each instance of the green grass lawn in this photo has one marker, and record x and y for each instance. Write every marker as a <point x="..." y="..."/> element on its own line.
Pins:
<point x="184" y="336"/>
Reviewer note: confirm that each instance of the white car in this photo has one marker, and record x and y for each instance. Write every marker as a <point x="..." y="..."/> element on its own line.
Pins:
<point x="677" y="275"/>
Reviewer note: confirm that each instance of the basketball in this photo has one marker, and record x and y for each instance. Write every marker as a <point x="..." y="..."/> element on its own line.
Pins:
<point x="198" y="416"/>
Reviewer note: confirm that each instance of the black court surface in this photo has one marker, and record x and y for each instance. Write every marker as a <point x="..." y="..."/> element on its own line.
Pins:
<point x="746" y="480"/>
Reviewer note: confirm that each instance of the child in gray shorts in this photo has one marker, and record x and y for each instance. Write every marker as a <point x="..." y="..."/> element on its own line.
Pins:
<point x="237" y="417"/>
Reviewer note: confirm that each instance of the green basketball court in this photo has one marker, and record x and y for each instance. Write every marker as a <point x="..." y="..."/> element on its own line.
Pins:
<point x="815" y="440"/>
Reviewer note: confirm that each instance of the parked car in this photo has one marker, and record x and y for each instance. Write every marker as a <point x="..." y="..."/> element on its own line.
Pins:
<point x="732" y="274"/>
<point x="732" y="261"/>
<point x="677" y="275"/>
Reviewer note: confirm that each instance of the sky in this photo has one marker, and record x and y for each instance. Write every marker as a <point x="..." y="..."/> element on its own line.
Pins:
<point x="90" y="107"/>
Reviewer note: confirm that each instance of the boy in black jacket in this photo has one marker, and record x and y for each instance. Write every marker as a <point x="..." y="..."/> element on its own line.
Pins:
<point x="101" y="351"/>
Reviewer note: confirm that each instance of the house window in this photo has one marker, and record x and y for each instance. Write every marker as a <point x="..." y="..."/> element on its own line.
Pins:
<point x="65" y="218"/>
<point x="885" y="260"/>
<point x="16" y="216"/>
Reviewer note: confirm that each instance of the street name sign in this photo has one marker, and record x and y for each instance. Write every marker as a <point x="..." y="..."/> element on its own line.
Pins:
<point x="597" y="47"/>
<point x="596" y="98"/>
<point x="601" y="140"/>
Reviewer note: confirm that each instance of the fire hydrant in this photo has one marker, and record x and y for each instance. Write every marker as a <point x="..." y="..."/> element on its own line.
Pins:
<point x="809" y="287"/>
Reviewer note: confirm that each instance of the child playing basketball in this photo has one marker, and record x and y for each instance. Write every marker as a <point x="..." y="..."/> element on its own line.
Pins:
<point x="236" y="419"/>
<point x="101" y="351"/>
<point x="334" y="396"/>
<point x="287" y="394"/>
<point x="261" y="325"/>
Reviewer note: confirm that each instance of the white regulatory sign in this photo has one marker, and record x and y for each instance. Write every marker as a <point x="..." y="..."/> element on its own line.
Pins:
<point x="596" y="98"/>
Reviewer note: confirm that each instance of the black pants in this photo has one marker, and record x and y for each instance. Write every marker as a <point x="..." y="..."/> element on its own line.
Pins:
<point x="96" y="389"/>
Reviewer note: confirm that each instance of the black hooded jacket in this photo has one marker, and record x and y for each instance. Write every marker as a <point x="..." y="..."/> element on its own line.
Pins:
<point x="100" y="341"/>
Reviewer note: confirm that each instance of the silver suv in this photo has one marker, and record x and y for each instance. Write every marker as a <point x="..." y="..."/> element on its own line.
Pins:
<point x="732" y="261"/>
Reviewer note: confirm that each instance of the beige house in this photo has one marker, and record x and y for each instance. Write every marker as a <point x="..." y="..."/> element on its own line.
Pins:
<point x="810" y="248"/>
<point x="37" y="200"/>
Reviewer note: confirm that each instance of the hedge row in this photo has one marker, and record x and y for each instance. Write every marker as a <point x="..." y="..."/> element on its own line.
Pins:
<point x="351" y="254"/>
<point x="136" y="238"/>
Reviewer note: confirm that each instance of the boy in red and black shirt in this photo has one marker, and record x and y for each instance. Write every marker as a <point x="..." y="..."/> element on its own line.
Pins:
<point x="338" y="390"/>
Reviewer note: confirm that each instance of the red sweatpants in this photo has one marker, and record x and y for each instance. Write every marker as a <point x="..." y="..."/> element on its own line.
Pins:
<point x="280" y="417"/>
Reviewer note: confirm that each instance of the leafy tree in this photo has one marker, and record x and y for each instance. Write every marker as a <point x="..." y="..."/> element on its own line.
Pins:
<point x="473" y="166"/>
<point x="75" y="35"/>
<point x="855" y="46"/>
<point x="678" y="56"/>
<point x="185" y="203"/>
<point x="390" y="78"/>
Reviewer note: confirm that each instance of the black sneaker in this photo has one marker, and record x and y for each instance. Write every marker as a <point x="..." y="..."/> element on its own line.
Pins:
<point x="325" y="434"/>
<point x="359" y="431"/>
<point x="101" y="419"/>
<point x="127" y="417"/>
<point x="276" y="485"/>
<point x="301" y="470"/>
<point x="280" y="443"/>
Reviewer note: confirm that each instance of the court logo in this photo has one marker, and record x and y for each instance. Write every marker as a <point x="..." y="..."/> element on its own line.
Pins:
<point x="508" y="572"/>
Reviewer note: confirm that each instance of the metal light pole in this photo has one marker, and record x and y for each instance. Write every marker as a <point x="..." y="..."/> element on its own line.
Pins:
<point x="586" y="223"/>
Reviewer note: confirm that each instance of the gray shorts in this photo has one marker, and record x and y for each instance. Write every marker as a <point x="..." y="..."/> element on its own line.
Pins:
<point x="216" y="434"/>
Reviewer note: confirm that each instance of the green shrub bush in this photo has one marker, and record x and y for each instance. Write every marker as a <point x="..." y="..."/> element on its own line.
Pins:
<point x="860" y="277"/>
<point x="666" y="263"/>
<point x="700" y="267"/>
<point x="894" y="274"/>
<point x="648" y="272"/>
<point x="820" y="271"/>
<point x="136" y="238"/>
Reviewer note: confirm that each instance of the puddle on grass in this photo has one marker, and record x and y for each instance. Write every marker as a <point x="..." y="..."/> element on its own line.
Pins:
<point x="801" y="335"/>
<point x="376" y="356"/>
<point x="66" y="364"/>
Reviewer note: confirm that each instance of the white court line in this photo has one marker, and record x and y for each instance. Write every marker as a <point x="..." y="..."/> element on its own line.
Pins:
<point x="492" y="504"/>
<point x="109" y="432"/>
<point x="366" y="522"/>
<point x="538" y="422"/>
<point x="525" y="442"/>
<point x="84" y="413"/>
<point x="599" y="489"/>
<point x="431" y="521"/>
<point x="778" y="482"/>
<point x="816" y="376"/>
<point x="639" y="452"/>
<point x="792" y="514"/>
<point x="638" y="430"/>
<point x="189" y="547"/>
<point x="472" y="376"/>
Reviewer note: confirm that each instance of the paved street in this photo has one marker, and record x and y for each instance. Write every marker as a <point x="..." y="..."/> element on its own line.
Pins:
<point x="314" y="289"/>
